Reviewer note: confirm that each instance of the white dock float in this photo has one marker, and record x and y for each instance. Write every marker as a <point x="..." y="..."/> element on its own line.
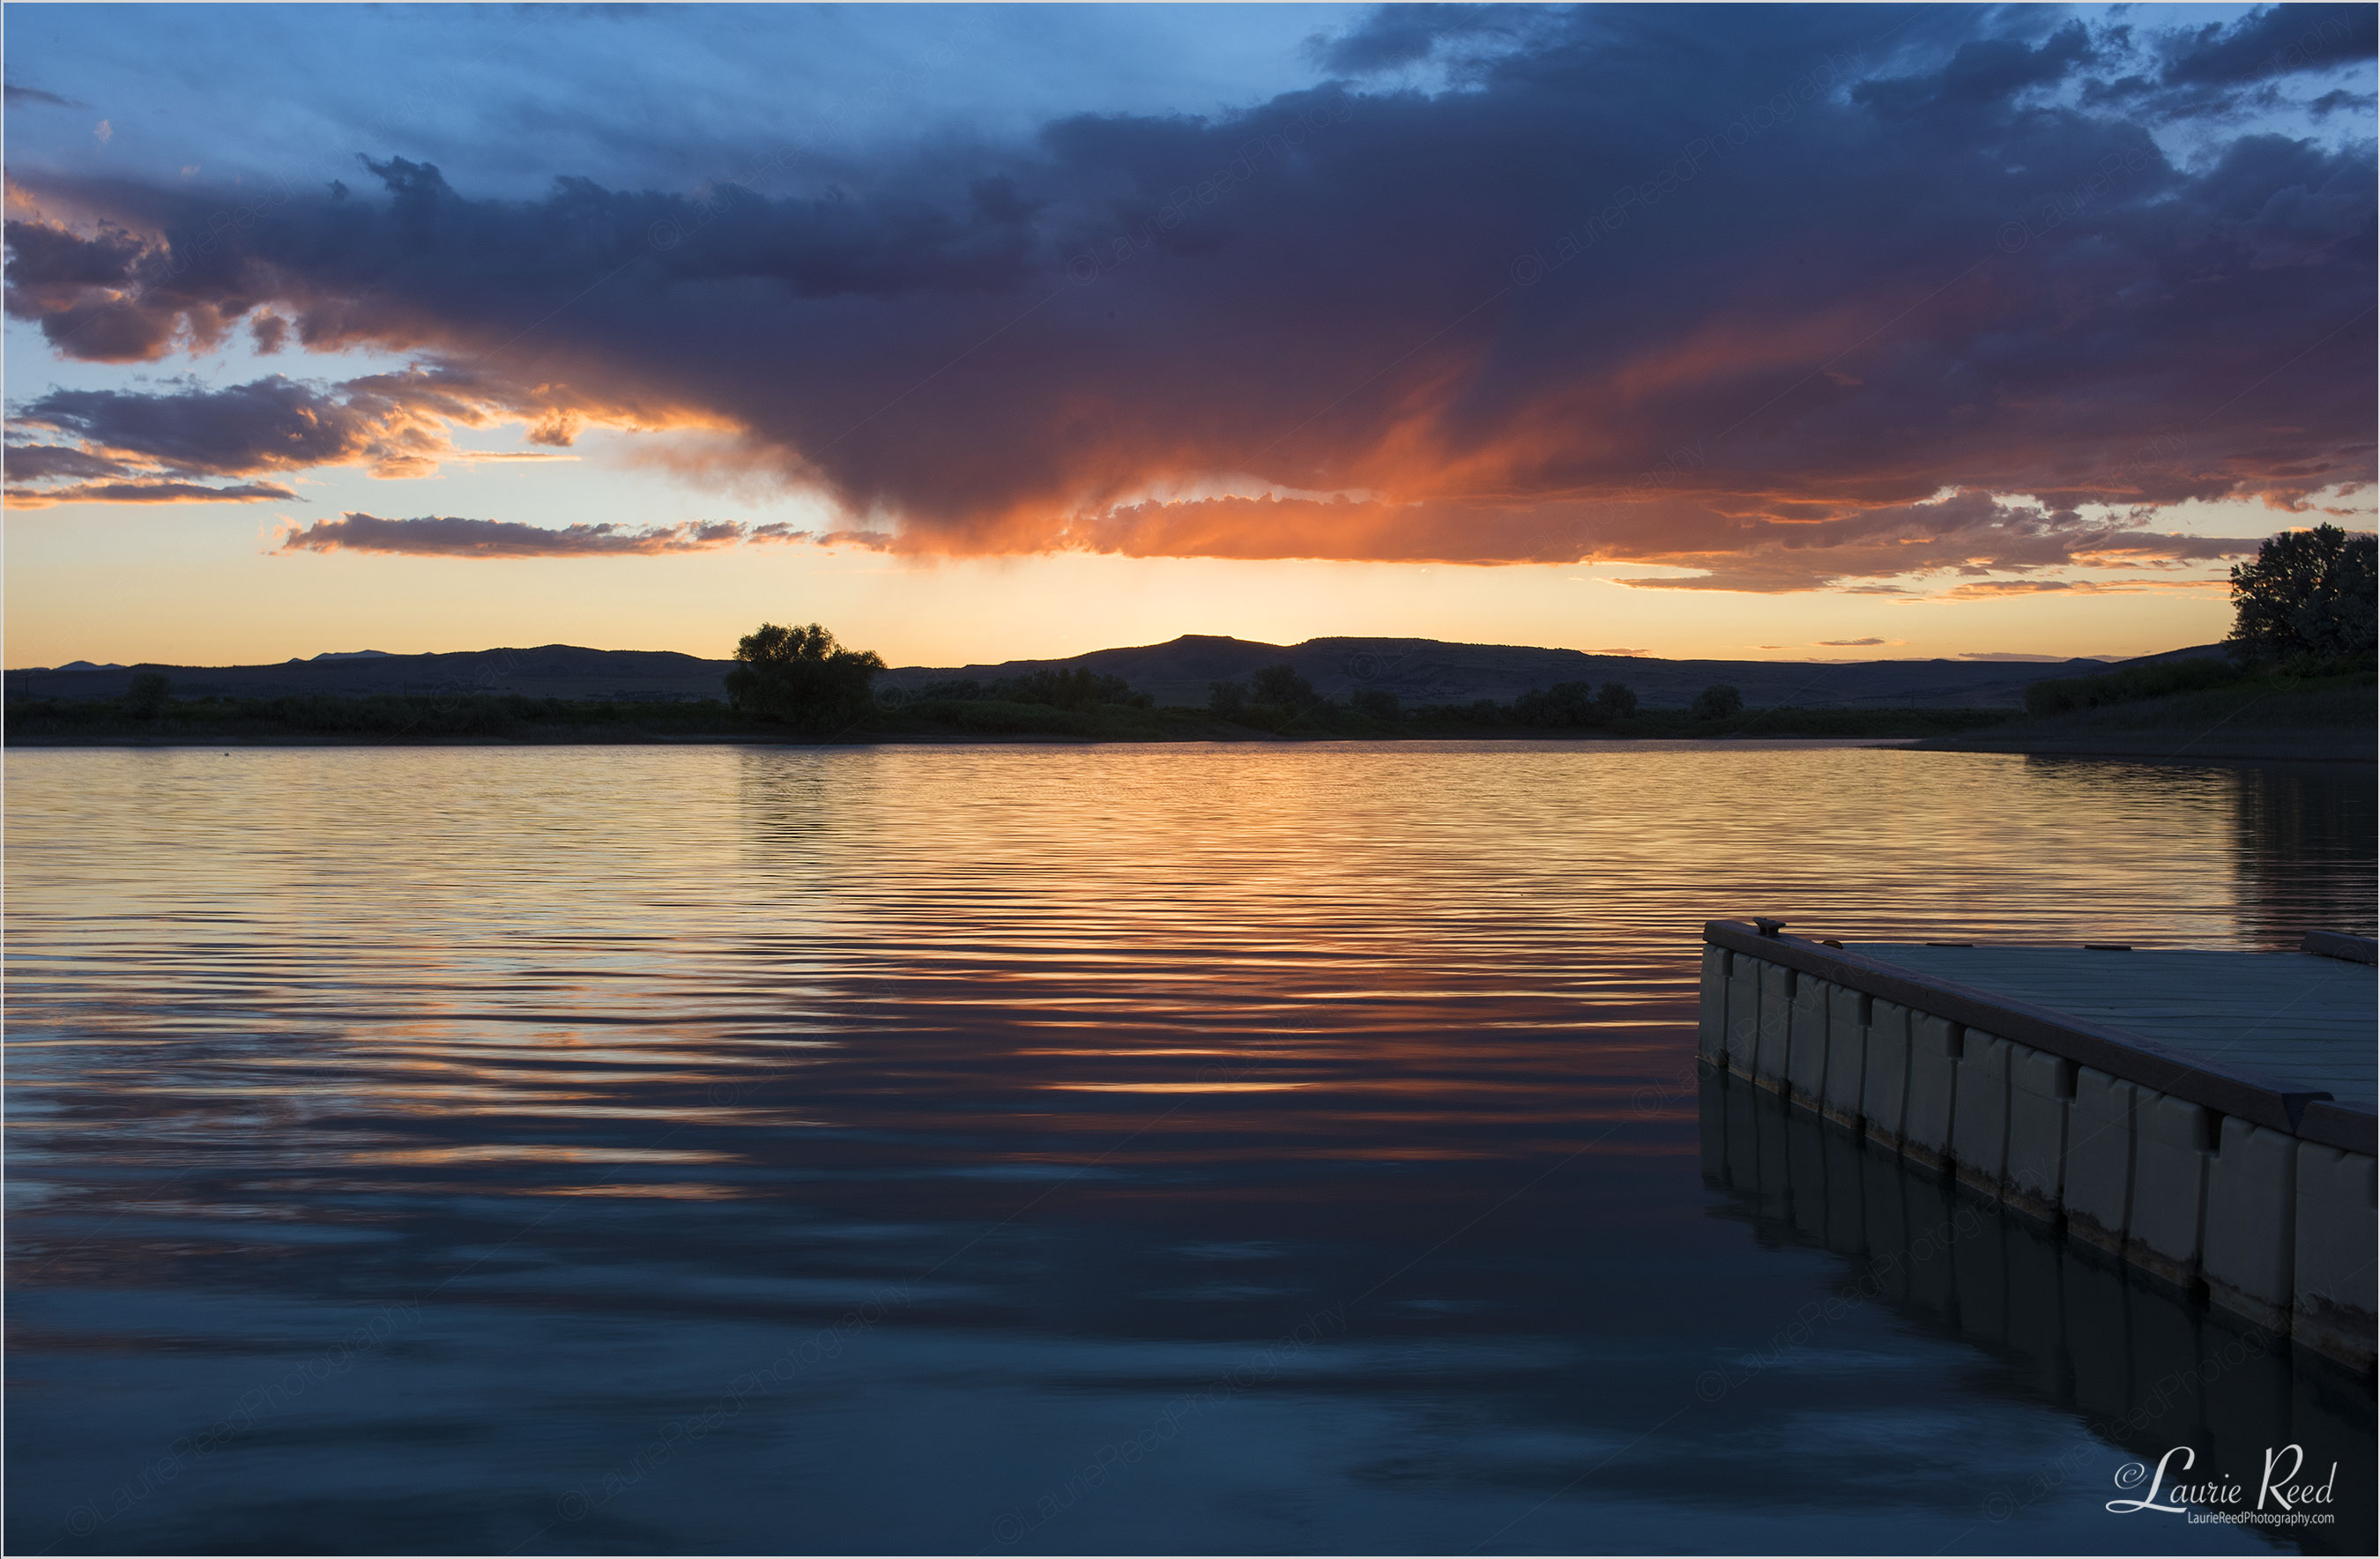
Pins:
<point x="2207" y="1117"/>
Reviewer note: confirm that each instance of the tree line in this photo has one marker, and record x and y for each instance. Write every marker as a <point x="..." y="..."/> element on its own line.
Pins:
<point x="2304" y="608"/>
<point x="802" y="677"/>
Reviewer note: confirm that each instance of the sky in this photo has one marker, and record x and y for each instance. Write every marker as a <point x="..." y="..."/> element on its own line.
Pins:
<point x="981" y="333"/>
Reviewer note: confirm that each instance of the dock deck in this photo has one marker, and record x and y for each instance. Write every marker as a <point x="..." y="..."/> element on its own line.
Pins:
<point x="2307" y="1021"/>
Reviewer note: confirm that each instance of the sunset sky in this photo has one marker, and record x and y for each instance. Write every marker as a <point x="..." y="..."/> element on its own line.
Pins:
<point x="981" y="333"/>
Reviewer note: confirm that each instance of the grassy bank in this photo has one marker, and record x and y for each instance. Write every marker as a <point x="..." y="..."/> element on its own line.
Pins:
<point x="512" y="719"/>
<point x="2245" y="718"/>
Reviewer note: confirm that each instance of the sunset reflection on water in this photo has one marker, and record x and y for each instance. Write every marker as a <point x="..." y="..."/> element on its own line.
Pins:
<point x="1016" y="1092"/>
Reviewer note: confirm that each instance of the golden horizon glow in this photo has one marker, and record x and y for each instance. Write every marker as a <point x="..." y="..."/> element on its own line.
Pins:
<point x="250" y="609"/>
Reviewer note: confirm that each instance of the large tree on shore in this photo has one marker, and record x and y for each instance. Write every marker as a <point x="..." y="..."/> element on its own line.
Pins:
<point x="800" y="677"/>
<point x="2307" y="601"/>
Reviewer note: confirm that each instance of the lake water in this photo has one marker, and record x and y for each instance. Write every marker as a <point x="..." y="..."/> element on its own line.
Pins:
<point x="1011" y="1149"/>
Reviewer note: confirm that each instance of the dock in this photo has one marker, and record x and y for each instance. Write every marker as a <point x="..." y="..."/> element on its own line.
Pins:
<point x="2205" y="1117"/>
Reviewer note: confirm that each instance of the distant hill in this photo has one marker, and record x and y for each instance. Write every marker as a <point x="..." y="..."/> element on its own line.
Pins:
<point x="1417" y="671"/>
<point x="554" y="670"/>
<point x="1433" y="671"/>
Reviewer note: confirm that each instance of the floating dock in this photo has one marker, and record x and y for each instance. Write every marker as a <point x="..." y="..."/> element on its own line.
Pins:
<point x="2207" y="1117"/>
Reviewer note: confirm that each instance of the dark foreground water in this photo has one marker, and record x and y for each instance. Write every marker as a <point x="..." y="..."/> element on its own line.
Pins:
<point x="1010" y="1150"/>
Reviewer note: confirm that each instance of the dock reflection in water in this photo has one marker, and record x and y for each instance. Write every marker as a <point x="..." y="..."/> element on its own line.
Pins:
<point x="2287" y="819"/>
<point x="2146" y="1367"/>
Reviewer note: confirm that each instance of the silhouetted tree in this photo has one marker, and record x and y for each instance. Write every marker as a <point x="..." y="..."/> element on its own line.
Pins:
<point x="1717" y="702"/>
<point x="1280" y="684"/>
<point x="802" y="678"/>
<point x="1614" y="701"/>
<point x="1377" y="703"/>
<point x="1564" y="703"/>
<point x="2307" y="600"/>
<point x="1072" y="687"/>
<point x="1227" y="698"/>
<point x="147" y="693"/>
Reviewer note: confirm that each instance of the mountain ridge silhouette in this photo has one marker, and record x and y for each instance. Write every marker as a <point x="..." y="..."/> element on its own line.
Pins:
<point x="1179" y="670"/>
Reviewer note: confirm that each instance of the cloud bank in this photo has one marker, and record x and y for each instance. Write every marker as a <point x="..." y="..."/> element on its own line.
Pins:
<point x="141" y="492"/>
<point x="442" y="536"/>
<point x="1787" y="299"/>
<point x="33" y="97"/>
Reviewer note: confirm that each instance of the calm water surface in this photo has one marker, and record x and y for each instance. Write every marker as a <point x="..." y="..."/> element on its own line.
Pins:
<point x="1012" y="1149"/>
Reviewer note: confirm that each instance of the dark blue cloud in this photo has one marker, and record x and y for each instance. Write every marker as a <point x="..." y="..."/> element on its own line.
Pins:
<point x="2273" y="42"/>
<point x="1752" y="285"/>
<point x="394" y="423"/>
<point x="49" y="463"/>
<point x="33" y="97"/>
<point x="1392" y="37"/>
<point x="145" y="492"/>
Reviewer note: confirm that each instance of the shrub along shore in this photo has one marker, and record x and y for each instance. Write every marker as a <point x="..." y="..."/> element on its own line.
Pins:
<point x="2275" y="717"/>
<point x="391" y="720"/>
<point x="2198" y="709"/>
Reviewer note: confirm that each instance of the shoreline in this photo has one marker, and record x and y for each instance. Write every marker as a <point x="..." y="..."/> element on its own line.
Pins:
<point x="2176" y="747"/>
<point x="2327" y="720"/>
<point x="2160" y="752"/>
<point x="741" y="740"/>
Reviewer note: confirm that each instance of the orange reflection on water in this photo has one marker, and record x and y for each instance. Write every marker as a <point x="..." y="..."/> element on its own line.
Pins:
<point x="527" y="1152"/>
<point x="1175" y="1087"/>
<point x="679" y="1190"/>
<point x="508" y="963"/>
